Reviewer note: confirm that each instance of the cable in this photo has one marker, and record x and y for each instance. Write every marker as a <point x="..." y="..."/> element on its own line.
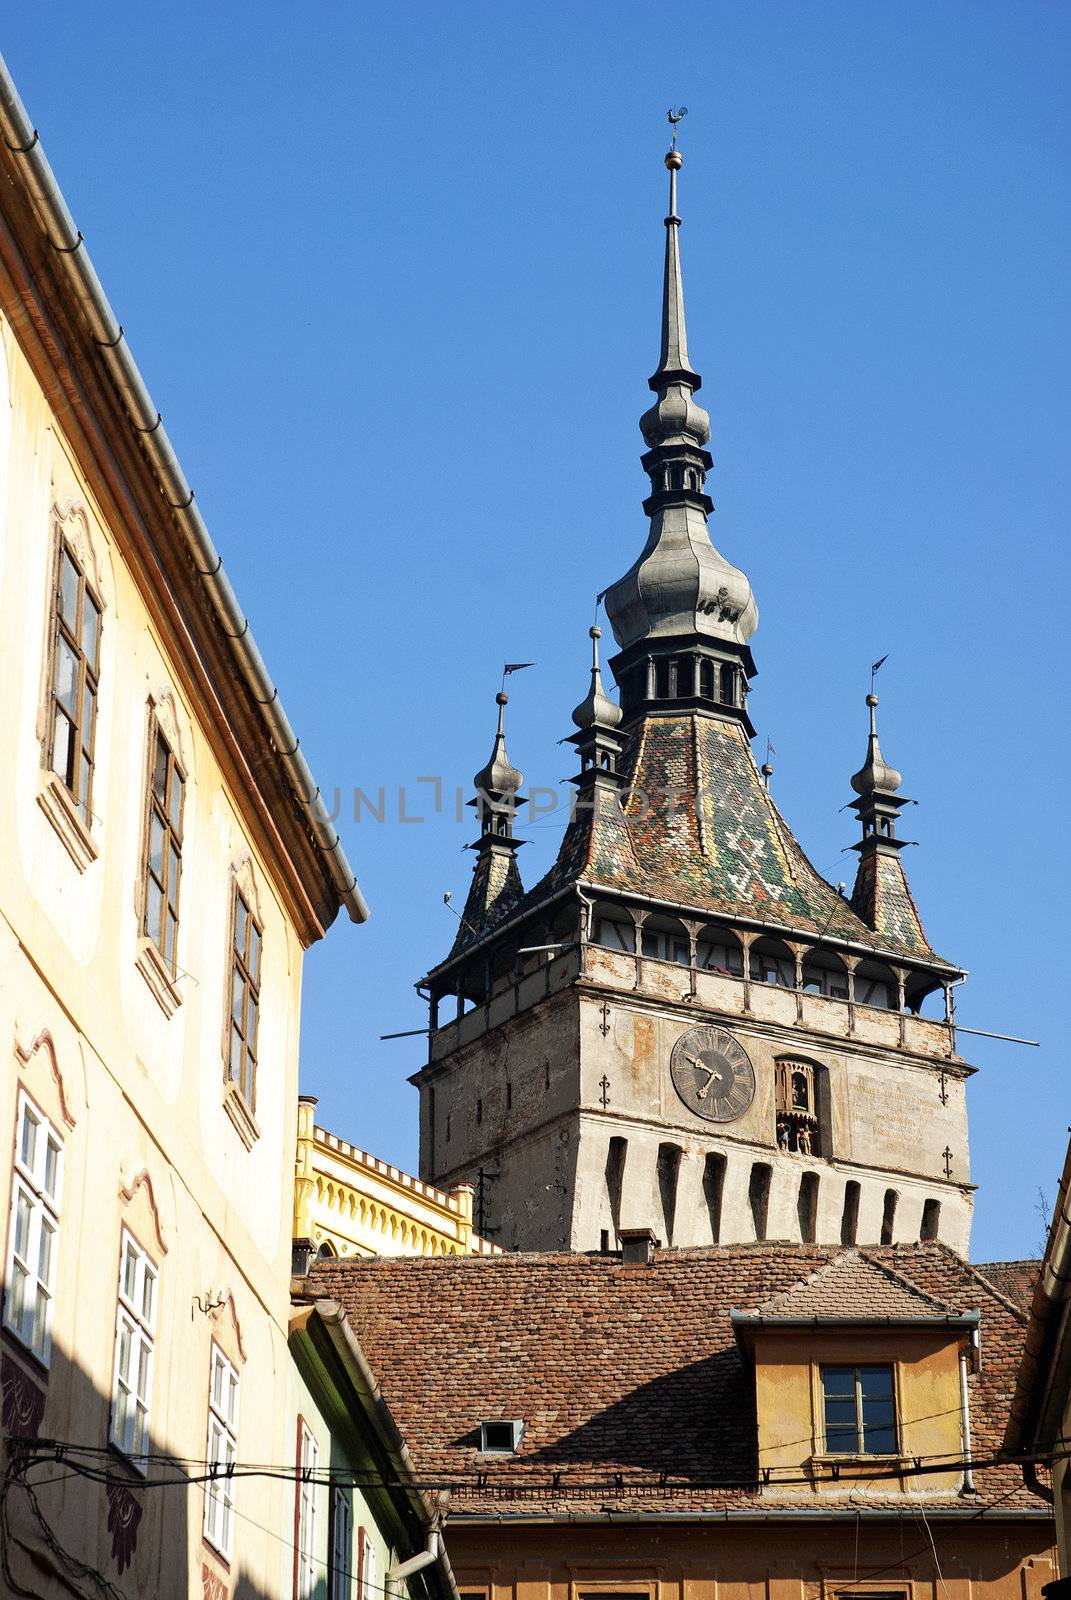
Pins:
<point x="553" y="1480"/>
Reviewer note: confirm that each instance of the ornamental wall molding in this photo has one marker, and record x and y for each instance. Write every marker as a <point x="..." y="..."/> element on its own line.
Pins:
<point x="25" y="1054"/>
<point x="127" y="1191"/>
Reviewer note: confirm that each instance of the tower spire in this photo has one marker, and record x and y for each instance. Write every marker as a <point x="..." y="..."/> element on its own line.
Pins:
<point x="673" y="360"/>
<point x="682" y="614"/>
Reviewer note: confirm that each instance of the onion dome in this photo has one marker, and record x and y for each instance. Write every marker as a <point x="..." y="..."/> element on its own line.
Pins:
<point x="875" y="775"/>
<point x="597" y="709"/>
<point x="499" y="776"/>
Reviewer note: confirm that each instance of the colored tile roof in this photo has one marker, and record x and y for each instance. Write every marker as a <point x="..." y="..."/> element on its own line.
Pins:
<point x="697" y="827"/>
<point x="850" y="1286"/>
<point x="626" y="1373"/>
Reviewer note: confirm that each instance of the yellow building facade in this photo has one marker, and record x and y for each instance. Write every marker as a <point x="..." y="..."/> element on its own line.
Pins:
<point x="348" y="1203"/>
<point x="162" y="871"/>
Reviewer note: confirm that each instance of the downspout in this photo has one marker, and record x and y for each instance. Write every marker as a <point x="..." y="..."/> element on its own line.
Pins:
<point x="967" y="1486"/>
<point x="22" y="140"/>
<point x="417" y="1563"/>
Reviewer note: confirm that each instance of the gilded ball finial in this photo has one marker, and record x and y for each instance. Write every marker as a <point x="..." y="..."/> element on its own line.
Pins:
<point x="501" y="698"/>
<point x="674" y="160"/>
<point x="871" y="699"/>
<point x="595" y="632"/>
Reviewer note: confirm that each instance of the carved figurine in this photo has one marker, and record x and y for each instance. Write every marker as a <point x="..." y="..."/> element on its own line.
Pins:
<point x="804" y="1141"/>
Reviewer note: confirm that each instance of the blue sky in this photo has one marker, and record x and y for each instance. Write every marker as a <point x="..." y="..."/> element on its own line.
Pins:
<point x="392" y="275"/>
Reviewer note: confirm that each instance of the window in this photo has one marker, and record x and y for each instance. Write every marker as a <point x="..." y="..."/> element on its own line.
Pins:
<point x="367" y="1587"/>
<point x="33" y="1230"/>
<point x="501" y="1438"/>
<point x="758" y="1193"/>
<point x="305" y="1514"/>
<point x="245" y="1000"/>
<point x="859" y="1411"/>
<point x="931" y="1219"/>
<point x="72" y="719"/>
<point x="163" y="850"/>
<point x="222" y="1452"/>
<point x="663" y="939"/>
<point x="773" y="962"/>
<point x="719" y="951"/>
<point x="135" y="1328"/>
<point x="339" y="1579"/>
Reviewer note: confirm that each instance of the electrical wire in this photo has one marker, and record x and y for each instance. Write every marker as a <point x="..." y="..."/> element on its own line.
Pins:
<point x="552" y="1480"/>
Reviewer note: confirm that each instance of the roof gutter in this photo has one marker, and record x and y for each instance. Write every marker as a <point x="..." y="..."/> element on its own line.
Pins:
<point x="334" y="1320"/>
<point x="73" y="260"/>
<point x="856" y="1513"/>
<point x="1045" y="1366"/>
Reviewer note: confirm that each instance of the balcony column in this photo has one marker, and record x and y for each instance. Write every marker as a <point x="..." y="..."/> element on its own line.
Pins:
<point x="901" y="1000"/>
<point x="693" y="957"/>
<point x="747" y="940"/>
<point x="851" y="962"/>
<point x="797" y="953"/>
<point x="638" y="918"/>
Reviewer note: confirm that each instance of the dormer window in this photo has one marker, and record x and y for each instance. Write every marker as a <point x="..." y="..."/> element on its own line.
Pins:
<point x="501" y="1438"/>
<point x="859" y="1411"/>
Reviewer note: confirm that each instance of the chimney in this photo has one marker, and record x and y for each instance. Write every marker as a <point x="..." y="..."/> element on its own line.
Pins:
<point x="637" y="1246"/>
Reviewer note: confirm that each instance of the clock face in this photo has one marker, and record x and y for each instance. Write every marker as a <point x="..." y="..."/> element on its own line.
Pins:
<point x="712" y="1074"/>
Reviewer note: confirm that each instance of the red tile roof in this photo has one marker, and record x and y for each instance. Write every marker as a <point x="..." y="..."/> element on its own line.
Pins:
<point x="1015" y="1280"/>
<point x="849" y="1286"/>
<point x="622" y="1374"/>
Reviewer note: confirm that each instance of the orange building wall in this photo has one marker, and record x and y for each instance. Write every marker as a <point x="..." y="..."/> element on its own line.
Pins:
<point x="753" y="1561"/>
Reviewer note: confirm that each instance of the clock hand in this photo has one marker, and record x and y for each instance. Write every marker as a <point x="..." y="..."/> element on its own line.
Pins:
<point x="711" y="1072"/>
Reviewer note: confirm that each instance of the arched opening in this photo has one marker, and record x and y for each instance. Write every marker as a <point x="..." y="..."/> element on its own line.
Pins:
<point x="706" y="679"/>
<point x="326" y="1252"/>
<point x="612" y="927"/>
<point x="719" y="950"/>
<point x="924" y="996"/>
<point x="825" y="973"/>
<point x="931" y="1219"/>
<point x="713" y="1189"/>
<point x="662" y="679"/>
<point x="615" y="1179"/>
<point x="888" y="1216"/>
<point x="807" y="1207"/>
<point x="773" y="962"/>
<point x="758" y="1194"/>
<point x="849" y="1220"/>
<point x="875" y="985"/>
<point x="728" y="684"/>
<point x="504" y="967"/>
<point x="669" y="1166"/>
<point x="665" y="939"/>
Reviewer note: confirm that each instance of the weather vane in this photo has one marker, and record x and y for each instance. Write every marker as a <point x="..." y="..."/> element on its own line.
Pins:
<point x="675" y="117"/>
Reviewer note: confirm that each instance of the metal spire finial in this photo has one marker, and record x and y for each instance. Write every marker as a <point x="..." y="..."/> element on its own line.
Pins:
<point x="674" y="117"/>
<point x="597" y="709"/>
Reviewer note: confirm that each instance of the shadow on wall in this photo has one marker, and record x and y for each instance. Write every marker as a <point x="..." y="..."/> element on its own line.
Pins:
<point x="78" y="1519"/>
<point x="666" y="1425"/>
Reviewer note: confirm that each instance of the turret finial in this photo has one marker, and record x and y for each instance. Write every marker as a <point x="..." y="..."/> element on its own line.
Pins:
<point x="499" y="776"/>
<point x="875" y="774"/>
<point x="597" y="709"/>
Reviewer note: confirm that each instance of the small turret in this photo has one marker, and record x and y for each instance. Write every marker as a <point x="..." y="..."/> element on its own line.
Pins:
<point x="597" y="718"/>
<point x="496" y="882"/>
<point x="881" y="896"/>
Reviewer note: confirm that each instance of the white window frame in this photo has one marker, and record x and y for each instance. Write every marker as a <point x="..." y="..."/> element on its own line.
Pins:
<point x="29" y="1291"/>
<point x="369" y="1588"/>
<point x="135" y="1330"/>
<point x="308" y="1457"/>
<point x="340" y="1575"/>
<point x="222" y="1452"/>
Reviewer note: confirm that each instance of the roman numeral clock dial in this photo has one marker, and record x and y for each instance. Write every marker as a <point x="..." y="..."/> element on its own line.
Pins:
<point x="712" y="1074"/>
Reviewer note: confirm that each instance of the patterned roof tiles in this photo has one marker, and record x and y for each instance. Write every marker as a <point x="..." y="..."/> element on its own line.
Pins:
<point x="628" y="1370"/>
<point x="850" y="1286"/>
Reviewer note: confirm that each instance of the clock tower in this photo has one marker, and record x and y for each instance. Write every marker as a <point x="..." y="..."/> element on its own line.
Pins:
<point x="682" y="1026"/>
